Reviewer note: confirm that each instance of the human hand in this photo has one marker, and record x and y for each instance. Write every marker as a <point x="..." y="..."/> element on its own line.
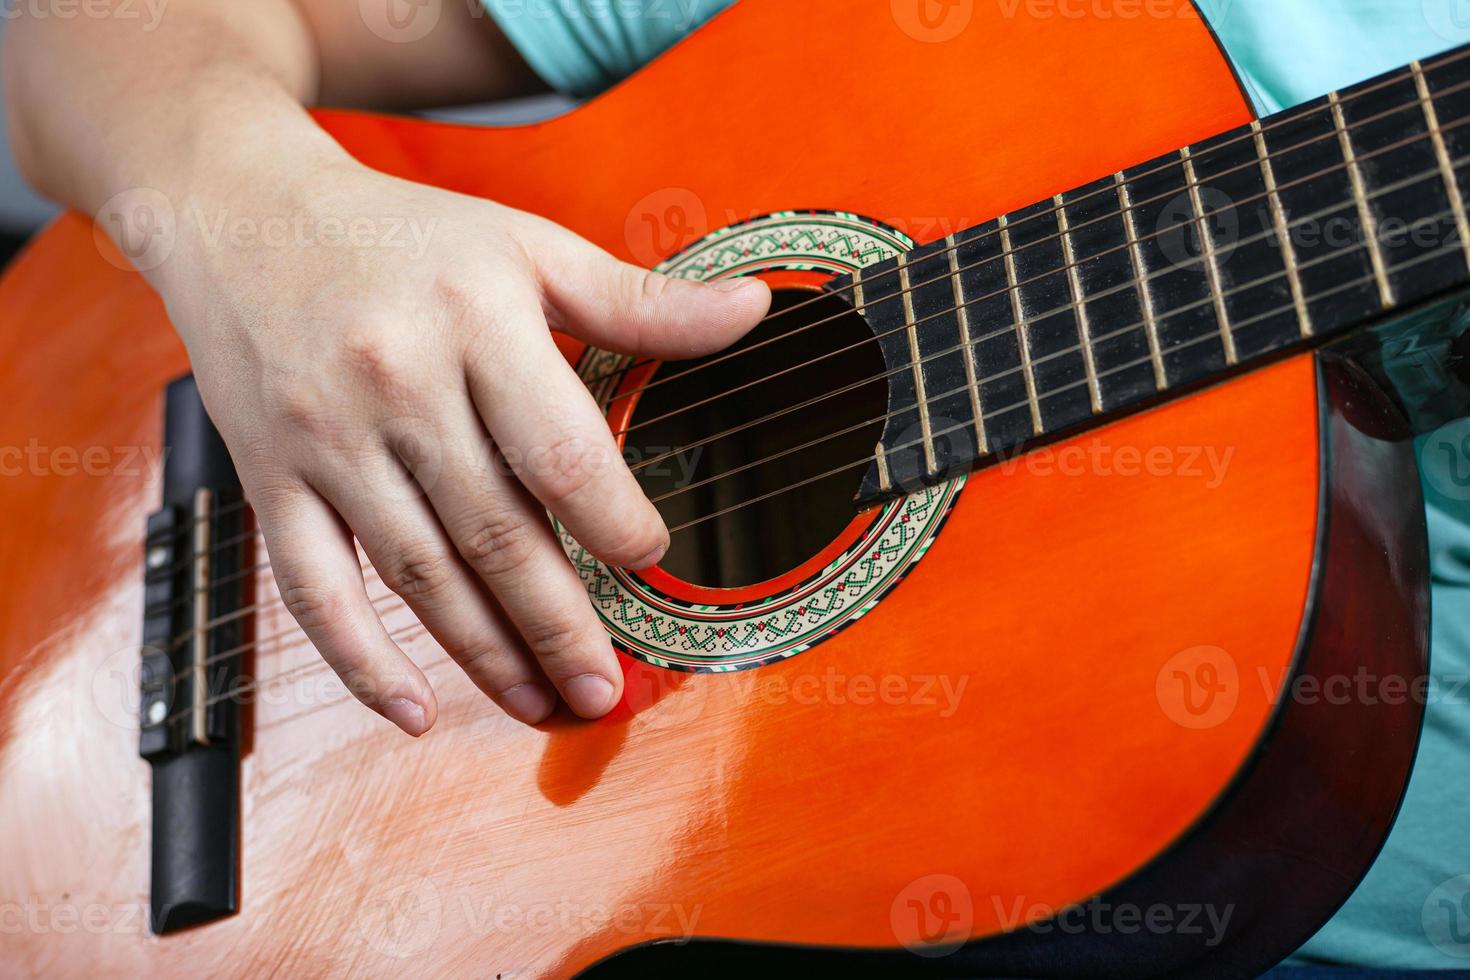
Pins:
<point x="360" y="390"/>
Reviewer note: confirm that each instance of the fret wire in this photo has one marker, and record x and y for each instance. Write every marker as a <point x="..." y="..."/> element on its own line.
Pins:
<point x="1212" y="261"/>
<point x="184" y="563"/>
<point x="1145" y="298"/>
<point x="918" y="362"/>
<point x="1365" y="210"/>
<point x="1283" y="232"/>
<point x="1018" y="313"/>
<point x="885" y="479"/>
<point x="1084" y="324"/>
<point x="963" y="313"/>
<point x="1442" y="154"/>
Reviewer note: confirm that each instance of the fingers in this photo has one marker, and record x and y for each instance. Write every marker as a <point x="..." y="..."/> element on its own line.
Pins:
<point x="557" y="442"/>
<point x="502" y="533"/>
<point x="415" y="559"/>
<point x="321" y="584"/>
<point x="628" y="309"/>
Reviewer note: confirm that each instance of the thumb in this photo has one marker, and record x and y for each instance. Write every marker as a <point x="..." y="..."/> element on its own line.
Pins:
<point x="630" y="310"/>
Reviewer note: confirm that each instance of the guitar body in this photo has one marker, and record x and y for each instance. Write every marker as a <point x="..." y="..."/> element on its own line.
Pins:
<point x="1091" y="685"/>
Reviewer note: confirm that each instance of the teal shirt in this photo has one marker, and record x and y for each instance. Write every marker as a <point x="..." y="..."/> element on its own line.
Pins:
<point x="583" y="46"/>
<point x="1413" y="909"/>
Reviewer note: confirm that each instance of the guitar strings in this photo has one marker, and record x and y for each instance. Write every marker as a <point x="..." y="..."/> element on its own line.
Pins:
<point x="1418" y="103"/>
<point x="1066" y="267"/>
<point x="402" y="605"/>
<point x="316" y="667"/>
<point x="1026" y="322"/>
<point x="1030" y="321"/>
<point x="1025" y="403"/>
<point x="1014" y="406"/>
<point x="1120" y="331"/>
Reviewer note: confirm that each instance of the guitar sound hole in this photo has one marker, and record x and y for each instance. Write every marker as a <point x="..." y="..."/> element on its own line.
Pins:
<point x="760" y="541"/>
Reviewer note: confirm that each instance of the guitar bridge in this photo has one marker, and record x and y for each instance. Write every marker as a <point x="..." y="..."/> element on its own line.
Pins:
<point x="198" y="575"/>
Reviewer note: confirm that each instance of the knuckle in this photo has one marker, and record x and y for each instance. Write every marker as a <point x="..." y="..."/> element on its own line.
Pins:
<point x="418" y="575"/>
<point x="490" y="662"/>
<point x="460" y="303"/>
<point x="499" y="544"/>
<point x="559" y="644"/>
<point x="475" y="313"/>
<point x="652" y="286"/>
<point x="370" y="356"/>
<point x="270" y="483"/>
<point x="305" y="410"/>
<point x="313" y="607"/>
<point x="565" y="467"/>
<point x="365" y="686"/>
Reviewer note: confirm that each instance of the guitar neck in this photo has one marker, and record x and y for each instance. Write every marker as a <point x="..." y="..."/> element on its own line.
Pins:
<point x="1271" y="238"/>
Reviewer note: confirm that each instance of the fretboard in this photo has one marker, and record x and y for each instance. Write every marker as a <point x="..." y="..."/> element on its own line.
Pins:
<point x="1293" y="231"/>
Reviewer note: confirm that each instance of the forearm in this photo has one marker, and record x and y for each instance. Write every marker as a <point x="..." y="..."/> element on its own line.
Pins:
<point x="212" y="90"/>
<point x="213" y="87"/>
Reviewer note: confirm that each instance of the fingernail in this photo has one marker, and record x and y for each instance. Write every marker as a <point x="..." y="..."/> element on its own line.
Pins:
<point x="528" y="703"/>
<point x="407" y="715"/>
<point x="652" y="558"/>
<point x="731" y="285"/>
<point x="590" y="696"/>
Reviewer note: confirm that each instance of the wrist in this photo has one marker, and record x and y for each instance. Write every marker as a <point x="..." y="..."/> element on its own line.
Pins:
<point x="246" y="198"/>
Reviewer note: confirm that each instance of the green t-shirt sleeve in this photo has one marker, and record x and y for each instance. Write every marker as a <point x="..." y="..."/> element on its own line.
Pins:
<point x="1292" y="51"/>
<point x="582" y="47"/>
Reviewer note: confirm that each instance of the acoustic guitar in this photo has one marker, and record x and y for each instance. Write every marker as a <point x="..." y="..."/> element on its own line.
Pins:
<point x="1048" y="589"/>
